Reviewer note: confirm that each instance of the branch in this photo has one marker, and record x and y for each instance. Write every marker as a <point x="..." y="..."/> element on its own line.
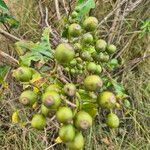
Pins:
<point x="8" y="59"/>
<point x="57" y="9"/>
<point x="111" y="13"/>
<point x="113" y="28"/>
<point x="8" y="35"/>
<point x="64" y="4"/>
<point x="132" y="6"/>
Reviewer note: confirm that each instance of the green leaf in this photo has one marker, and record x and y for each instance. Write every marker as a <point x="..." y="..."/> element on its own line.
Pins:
<point x="7" y="19"/>
<point x="36" y="51"/>
<point x="118" y="87"/>
<point x="3" y="6"/>
<point x="85" y="6"/>
<point x="90" y="108"/>
<point x="3" y="71"/>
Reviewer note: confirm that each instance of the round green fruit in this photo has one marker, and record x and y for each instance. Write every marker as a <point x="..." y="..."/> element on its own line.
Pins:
<point x="77" y="143"/>
<point x="72" y="20"/>
<point x="73" y="63"/>
<point x="77" y="47"/>
<point x="44" y="110"/>
<point x="87" y="38"/>
<point x="103" y="57"/>
<point x="112" y="120"/>
<point x="86" y="56"/>
<point x="100" y="45"/>
<point x="38" y="121"/>
<point x="91" y="67"/>
<point x="98" y="69"/>
<point x="93" y="82"/>
<point x="28" y="98"/>
<point x="95" y="56"/>
<point x="78" y="9"/>
<point x="79" y="60"/>
<point x="79" y="66"/>
<point x="80" y="71"/>
<point x="51" y="99"/>
<point x="83" y="120"/>
<point x="67" y="133"/>
<point x="74" y="14"/>
<point x="70" y="89"/>
<point x="23" y="74"/>
<point x="53" y="87"/>
<point x="111" y="48"/>
<point x="114" y="62"/>
<point x="74" y="30"/>
<point x="64" y="114"/>
<point x="90" y="24"/>
<point x="72" y="71"/>
<point x="64" y="53"/>
<point x="127" y="103"/>
<point x="67" y="69"/>
<point x="106" y="99"/>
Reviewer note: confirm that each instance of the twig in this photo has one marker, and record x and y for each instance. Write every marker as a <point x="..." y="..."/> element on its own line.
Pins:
<point x="132" y="6"/>
<point x="108" y="75"/>
<point x="111" y="13"/>
<point x="42" y="21"/>
<point x="133" y="62"/>
<point x="112" y="29"/>
<point x="61" y="76"/>
<point x="9" y="35"/>
<point x="50" y="147"/>
<point x="56" y="37"/>
<point x="8" y="59"/>
<point x="57" y="9"/>
<point x="69" y="103"/>
<point x="128" y="43"/>
<point x="63" y="1"/>
<point x="120" y="24"/>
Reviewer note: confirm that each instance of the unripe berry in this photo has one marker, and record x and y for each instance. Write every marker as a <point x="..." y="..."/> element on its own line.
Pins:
<point x="98" y="69"/>
<point x="67" y="133"/>
<point x="77" y="143"/>
<point x="51" y="99"/>
<point x="73" y="63"/>
<point x="64" y="115"/>
<point x="38" y="121"/>
<point x="77" y="47"/>
<point x="112" y="120"/>
<point x="101" y="45"/>
<point x="74" y="30"/>
<point x="91" y="67"/>
<point x="53" y="87"/>
<point x="93" y="83"/>
<point x="106" y="99"/>
<point x="90" y="24"/>
<point x="64" y="53"/>
<point x="103" y="57"/>
<point x="111" y="48"/>
<point x="44" y="110"/>
<point x="83" y="120"/>
<point x="87" y="38"/>
<point x="74" y="14"/>
<point x="23" y="74"/>
<point x="28" y="97"/>
<point x="86" y="56"/>
<point x="70" y="89"/>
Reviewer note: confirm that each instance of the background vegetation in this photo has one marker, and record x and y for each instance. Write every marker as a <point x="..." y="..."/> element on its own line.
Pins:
<point x="125" y="23"/>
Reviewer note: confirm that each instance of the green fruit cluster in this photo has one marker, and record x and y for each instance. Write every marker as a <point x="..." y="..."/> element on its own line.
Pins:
<point x="84" y="51"/>
<point x="74" y="104"/>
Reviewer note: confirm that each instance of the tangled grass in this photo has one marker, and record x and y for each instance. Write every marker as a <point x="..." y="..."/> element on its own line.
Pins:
<point x="120" y="23"/>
